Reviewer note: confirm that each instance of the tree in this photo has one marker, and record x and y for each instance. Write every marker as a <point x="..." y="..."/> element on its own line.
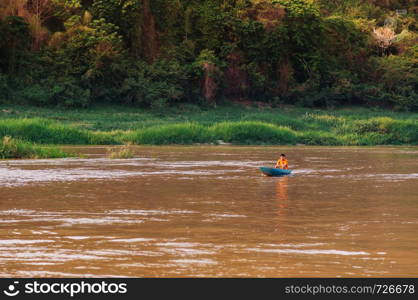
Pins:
<point x="34" y="12"/>
<point x="14" y="43"/>
<point x="38" y="12"/>
<point x="384" y="36"/>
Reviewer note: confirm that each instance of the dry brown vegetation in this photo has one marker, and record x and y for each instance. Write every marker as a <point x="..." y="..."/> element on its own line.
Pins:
<point x="385" y="37"/>
<point x="34" y="12"/>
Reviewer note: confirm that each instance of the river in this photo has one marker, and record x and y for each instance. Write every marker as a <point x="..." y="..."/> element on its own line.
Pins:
<point x="208" y="211"/>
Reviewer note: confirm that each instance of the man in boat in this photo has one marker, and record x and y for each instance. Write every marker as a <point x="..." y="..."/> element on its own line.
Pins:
<point x="282" y="163"/>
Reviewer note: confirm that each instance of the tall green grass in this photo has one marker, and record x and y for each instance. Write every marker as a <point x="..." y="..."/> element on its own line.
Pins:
<point x="252" y="133"/>
<point x="369" y="132"/>
<point x="187" y="133"/>
<point x="309" y="129"/>
<point x="320" y="138"/>
<point x="44" y="131"/>
<point x="231" y="132"/>
<point x="12" y="148"/>
<point x="387" y="131"/>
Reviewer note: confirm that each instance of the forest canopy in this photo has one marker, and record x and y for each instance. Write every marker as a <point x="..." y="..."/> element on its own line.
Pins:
<point x="155" y="53"/>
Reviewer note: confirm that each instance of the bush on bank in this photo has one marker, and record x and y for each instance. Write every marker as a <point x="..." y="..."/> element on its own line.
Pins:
<point x="12" y="148"/>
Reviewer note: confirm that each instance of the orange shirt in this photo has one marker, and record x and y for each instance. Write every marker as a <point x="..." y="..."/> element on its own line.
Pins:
<point x="282" y="164"/>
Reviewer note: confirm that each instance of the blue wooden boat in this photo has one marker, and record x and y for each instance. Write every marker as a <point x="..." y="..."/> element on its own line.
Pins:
<point x="275" y="172"/>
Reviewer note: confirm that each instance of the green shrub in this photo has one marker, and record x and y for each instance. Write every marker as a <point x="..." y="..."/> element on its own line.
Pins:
<point x="35" y="94"/>
<point x="405" y="132"/>
<point x="375" y="125"/>
<point x="66" y="92"/>
<point x="70" y="93"/>
<point x="12" y="148"/>
<point x="380" y="131"/>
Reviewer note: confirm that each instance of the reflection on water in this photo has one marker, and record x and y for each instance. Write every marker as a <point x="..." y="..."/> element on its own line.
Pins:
<point x="282" y="186"/>
<point x="207" y="211"/>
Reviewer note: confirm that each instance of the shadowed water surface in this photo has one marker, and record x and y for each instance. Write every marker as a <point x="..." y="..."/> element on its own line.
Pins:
<point x="207" y="211"/>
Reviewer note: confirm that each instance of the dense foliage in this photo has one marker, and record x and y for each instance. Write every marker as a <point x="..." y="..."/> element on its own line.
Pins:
<point x="157" y="53"/>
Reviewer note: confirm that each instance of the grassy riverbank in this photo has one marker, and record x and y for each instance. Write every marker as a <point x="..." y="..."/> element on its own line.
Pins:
<point x="12" y="148"/>
<point x="107" y="125"/>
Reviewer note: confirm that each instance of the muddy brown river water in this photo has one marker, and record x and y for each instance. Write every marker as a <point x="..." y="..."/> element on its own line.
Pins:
<point x="207" y="211"/>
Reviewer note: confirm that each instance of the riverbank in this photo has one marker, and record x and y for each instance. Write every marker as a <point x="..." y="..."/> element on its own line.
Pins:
<point x="12" y="148"/>
<point x="107" y="125"/>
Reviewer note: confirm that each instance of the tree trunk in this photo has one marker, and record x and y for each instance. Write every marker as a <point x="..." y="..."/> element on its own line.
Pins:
<point x="150" y="39"/>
